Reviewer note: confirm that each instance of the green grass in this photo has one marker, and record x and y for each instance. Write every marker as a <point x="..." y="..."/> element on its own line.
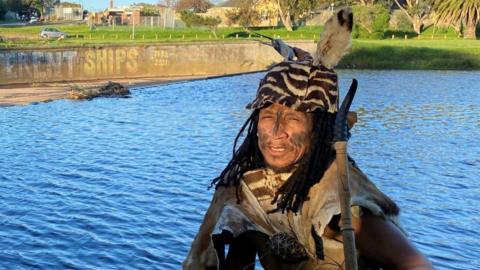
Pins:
<point x="455" y="54"/>
<point x="428" y="33"/>
<point x="28" y="36"/>
<point x="434" y="49"/>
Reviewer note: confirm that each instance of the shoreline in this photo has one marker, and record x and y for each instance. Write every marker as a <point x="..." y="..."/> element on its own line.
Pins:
<point x="26" y="94"/>
<point x="23" y="94"/>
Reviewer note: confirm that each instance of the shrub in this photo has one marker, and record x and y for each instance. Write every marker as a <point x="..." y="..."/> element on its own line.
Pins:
<point x="191" y="19"/>
<point x="199" y="6"/>
<point x="3" y="9"/>
<point x="243" y="17"/>
<point x="370" y="21"/>
<point x="400" y="22"/>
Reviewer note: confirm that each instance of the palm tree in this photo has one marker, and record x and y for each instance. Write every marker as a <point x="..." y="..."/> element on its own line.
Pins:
<point x="459" y="12"/>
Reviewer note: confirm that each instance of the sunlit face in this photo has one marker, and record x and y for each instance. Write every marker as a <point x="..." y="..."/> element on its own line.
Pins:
<point x="283" y="135"/>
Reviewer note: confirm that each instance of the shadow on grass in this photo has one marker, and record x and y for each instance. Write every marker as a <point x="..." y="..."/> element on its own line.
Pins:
<point x="244" y="34"/>
<point x="388" y="57"/>
<point x="298" y="32"/>
<point x="267" y="28"/>
<point x="239" y="34"/>
<point x="399" y="34"/>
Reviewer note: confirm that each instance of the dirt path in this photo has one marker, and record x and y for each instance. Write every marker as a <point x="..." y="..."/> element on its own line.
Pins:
<point x="12" y="95"/>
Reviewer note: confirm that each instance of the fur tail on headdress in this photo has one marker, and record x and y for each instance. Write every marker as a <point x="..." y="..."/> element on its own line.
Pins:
<point x="335" y="39"/>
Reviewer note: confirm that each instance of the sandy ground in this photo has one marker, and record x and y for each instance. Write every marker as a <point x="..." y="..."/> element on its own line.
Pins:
<point x="12" y="95"/>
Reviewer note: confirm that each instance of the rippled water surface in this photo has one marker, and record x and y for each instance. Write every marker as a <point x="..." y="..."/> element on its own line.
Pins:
<point x="122" y="183"/>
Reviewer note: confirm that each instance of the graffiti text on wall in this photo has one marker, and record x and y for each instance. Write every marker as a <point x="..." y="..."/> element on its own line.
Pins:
<point x="121" y="61"/>
<point x="29" y="66"/>
<point x="37" y="65"/>
<point x="111" y="61"/>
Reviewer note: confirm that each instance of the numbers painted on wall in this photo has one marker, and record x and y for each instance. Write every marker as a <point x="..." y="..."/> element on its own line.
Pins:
<point x="160" y="58"/>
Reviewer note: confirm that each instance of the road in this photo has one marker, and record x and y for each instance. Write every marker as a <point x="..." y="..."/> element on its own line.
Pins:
<point x="13" y="24"/>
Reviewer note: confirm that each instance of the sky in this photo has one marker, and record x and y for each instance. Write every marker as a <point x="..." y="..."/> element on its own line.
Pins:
<point x="97" y="5"/>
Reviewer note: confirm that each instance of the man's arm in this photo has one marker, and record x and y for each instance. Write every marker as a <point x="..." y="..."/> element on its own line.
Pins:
<point x="381" y="242"/>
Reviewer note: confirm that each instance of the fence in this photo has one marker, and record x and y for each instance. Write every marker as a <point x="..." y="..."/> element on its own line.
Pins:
<point x="68" y="14"/>
<point x="165" y="20"/>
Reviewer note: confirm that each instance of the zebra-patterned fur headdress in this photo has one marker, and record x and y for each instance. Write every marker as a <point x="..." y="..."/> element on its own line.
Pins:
<point x="300" y="86"/>
<point x="306" y="85"/>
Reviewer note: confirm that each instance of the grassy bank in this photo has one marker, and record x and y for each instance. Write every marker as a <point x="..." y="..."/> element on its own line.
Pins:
<point x="434" y="49"/>
<point x="414" y="54"/>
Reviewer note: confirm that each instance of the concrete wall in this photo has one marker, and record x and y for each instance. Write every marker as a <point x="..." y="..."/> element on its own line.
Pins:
<point x="110" y="62"/>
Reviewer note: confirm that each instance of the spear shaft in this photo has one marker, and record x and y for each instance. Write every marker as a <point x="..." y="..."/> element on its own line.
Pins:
<point x="340" y="145"/>
<point x="349" y="249"/>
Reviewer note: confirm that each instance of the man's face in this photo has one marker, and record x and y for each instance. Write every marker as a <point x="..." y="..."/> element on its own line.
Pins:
<point x="283" y="135"/>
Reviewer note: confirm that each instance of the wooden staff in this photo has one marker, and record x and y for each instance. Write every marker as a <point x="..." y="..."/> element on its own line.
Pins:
<point x="340" y="145"/>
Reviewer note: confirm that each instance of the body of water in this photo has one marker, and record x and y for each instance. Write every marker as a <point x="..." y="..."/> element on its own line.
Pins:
<point x="122" y="183"/>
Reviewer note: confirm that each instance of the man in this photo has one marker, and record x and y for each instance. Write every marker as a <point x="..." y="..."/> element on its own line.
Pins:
<point x="278" y="197"/>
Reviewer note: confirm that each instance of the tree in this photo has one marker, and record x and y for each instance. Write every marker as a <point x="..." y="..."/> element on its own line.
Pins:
<point x="17" y="6"/>
<point x="290" y="11"/>
<point x="24" y="8"/>
<point x="197" y="6"/>
<point x="370" y="21"/>
<point x="212" y="24"/>
<point x="147" y="9"/>
<point x="191" y="19"/>
<point x="417" y="12"/>
<point x="245" y="15"/>
<point x="29" y="8"/>
<point x="43" y="5"/>
<point x="3" y="9"/>
<point x="459" y="12"/>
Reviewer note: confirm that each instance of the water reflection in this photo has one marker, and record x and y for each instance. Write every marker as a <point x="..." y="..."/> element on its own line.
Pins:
<point x="122" y="183"/>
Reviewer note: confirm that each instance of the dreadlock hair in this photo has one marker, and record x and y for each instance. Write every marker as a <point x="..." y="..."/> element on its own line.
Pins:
<point x="247" y="157"/>
<point x="291" y="195"/>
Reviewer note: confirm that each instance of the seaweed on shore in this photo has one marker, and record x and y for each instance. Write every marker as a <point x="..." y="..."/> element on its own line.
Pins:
<point x="111" y="89"/>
